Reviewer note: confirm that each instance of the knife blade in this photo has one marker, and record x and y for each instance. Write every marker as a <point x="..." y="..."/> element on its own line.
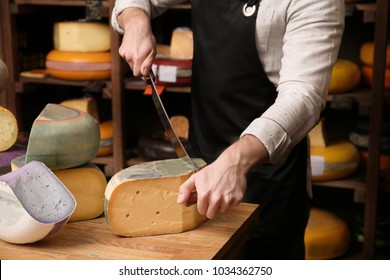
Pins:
<point x="168" y="127"/>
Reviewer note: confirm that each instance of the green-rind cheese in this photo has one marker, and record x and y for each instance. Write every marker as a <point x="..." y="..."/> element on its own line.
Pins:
<point x="63" y="137"/>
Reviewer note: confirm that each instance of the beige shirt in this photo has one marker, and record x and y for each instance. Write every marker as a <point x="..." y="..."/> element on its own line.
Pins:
<point x="298" y="42"/>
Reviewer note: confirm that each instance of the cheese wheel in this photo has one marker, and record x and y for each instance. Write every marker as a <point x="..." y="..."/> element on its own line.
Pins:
<point x="326" y="236"/>
<point x="87" y="184"/>
<point x="106" y="138"/>
<point x="34" y="204"/>
<point x="8" y="129"/>
<point x="87" y="105"/>
<point x="141" y="200"/>
<point x="174" y="72"/>
<point x="367" y="74"/>
<point x="182" y="43"/>
<point x="79" y="65"/>
<point x="367" y="54"/>
<point x="81" y="36"/>
<point x="335" y="161"/>
<point x="345" y="76"/>
<point x="62" y="137"/>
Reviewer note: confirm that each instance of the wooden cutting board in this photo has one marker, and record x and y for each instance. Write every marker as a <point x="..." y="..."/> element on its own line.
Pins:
<point x="220" y="238"/>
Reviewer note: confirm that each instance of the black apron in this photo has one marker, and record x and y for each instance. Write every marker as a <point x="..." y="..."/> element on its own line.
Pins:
<point x="229" y="90"/>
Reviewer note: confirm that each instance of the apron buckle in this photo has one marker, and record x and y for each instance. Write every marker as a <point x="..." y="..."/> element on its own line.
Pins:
<point x="248" y="10"/>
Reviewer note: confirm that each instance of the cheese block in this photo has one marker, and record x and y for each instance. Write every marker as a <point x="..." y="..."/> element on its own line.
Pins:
<point x="141" y="200"/>
<point x="79" y="65"/>
<point x="87" y="104"/>
<point x="326" y="235"/>
<point x="62" y="137"/>
<point x="106" y="138"/>
<point x="34" y="204"/>
<point x="81" y="36"/>
<point x="337" y="160"/>
<point x="182" y="43"/>
<point x="181" y="125"/>
<point x="8" y="129"/>
<point x="173" y="72"/>
<point x="317" y="135"/>
<point x="87" y="184"/>
<point x="345" y="76"/>
<point x="367" y="54"/>
<point x="3" y="75"/>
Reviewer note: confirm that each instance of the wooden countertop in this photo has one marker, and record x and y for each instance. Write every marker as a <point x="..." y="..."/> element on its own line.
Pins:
<point x="220" y="238"/>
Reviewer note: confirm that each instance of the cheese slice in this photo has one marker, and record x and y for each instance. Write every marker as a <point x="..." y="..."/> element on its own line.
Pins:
<point x="62" y="137"/>
<point x="8" y="129"/>
<point x="87" y="104"/>
<point x="34" y="204"/>
<point x="141" y="200"/>
<point x="87" y="184"/>
<point x="81" y="36"/>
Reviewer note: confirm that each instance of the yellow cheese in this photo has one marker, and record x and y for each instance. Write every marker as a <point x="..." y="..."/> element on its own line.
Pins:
<point x="141" y="200"/>
<point x="106" y="138"/>
<point x="79" y="65"/>
<point x="87" y="105"/>
<point x="367" y="54"/>
<point x="345" y="76"/>
<point x="79" y="36"/>
<point x="335" y="161"/>
<point x="63" y="137"/>
<point x="182" y="43"/>
<point x="8" y="129"/>
<point x="326" y="236"/>
<point x="87" y="184"/>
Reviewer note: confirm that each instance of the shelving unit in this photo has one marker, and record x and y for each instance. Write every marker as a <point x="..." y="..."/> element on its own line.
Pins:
<point x="119" y="85"/>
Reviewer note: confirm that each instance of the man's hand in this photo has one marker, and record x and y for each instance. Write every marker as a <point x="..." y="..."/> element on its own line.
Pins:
<point x="222" y="184"/>
<point x="138" y="46"/>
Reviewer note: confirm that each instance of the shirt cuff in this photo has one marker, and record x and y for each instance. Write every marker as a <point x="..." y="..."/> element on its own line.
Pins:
<point x="272" y="135"/>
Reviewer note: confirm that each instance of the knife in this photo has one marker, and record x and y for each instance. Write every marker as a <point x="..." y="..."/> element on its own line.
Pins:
<point x="168" y="127"/>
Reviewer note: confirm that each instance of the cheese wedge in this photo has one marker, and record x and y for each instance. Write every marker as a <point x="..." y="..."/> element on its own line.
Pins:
<point x="141" y="200"/>
<point x="8" y="129"/>
<point x="34" y="204"/>
<point x="81" y="36"/>
<point x="62" y="137"/>
<point x="87" y="184"/>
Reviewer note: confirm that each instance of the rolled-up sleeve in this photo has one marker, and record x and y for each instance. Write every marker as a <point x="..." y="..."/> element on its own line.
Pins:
<point x="308" y="51"/>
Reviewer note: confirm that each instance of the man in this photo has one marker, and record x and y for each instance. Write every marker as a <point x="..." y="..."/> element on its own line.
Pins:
<point x="261" y="71"/>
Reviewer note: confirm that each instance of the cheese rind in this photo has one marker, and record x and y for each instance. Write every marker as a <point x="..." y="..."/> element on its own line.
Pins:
<point x="63" y="137"/>
<point x="141" y="200"/>
<point x="8" y="129"/>
<point x="79" y="36"/>
<point x="34" y="204"/>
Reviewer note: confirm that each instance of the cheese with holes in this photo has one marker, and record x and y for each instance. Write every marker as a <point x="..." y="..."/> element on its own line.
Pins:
<point x="87" y="104"/>
<point x="182" y="43"/>
<point x="79" y="65"/>
<point x="8" y="129"/>
<point x="34" y="204"/>
<point x="87" y="184"/>
<point x="141" y="200"/>
<point x="81" y="36"/>
<point x="63" y="137"/>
